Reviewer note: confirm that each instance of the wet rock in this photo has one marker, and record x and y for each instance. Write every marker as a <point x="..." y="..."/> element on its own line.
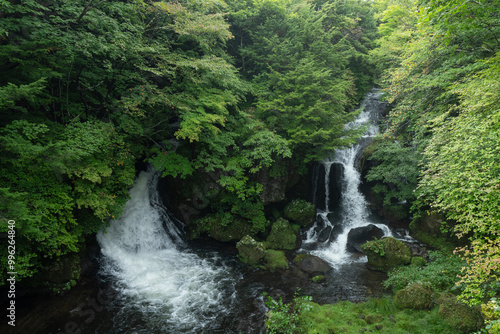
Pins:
<point x="325" y="234"/>
<point x="282" y="236"/>
<point x="386" y="253"/>
<point x="311" y="264"/>
<point x="360" y="235"/>
<point x="250" y="251"/>
<point x="416" y="296"/>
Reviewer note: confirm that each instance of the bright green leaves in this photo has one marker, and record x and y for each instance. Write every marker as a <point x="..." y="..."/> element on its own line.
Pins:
<point x="52" y="174"/>
<point x="445" y="101"/>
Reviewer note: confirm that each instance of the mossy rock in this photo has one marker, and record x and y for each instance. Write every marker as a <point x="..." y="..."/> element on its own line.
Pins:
<point x="318" y="279"/>
<point x="282" y="236"/>
<point x="463" y="318"/>
<point x="386" y="253"/>
<point x="275" y="260"/>
<point x="221" y="227"/>
<point x="418" y="261"/>
<point x="300" y="211"/>
<point x="416" y="296"/>
<point x="250" y="251"/>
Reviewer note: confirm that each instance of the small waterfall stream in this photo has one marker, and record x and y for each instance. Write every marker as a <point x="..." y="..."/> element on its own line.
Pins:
<point x="335" y="220"/>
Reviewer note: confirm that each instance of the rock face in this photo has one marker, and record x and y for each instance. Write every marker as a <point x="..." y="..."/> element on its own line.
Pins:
<point x="386" y="253"/>
<point x="282" y="236"/>
<point x="360" y="235"/>
<point x="300" y="212"/>
<point x="415" y="296"/>
<point x="463" y="318"/>
<point x="250" y="251"/>
<point x="311" y="264"/>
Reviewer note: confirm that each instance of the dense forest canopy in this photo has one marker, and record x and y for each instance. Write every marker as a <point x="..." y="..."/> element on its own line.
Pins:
<point x="90" y="88"/>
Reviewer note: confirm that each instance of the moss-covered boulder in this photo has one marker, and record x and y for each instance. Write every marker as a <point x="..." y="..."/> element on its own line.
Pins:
<point x="463" y="318"/>
<point x="416" y="296"/>
<point x="300" y="212"/>
<point x="275" y="259"/>
<point x="221" y="227"/>
<point x="318" y="279"/>
<point x="282" y="236"/>
<point x="250" y="251"/>
<point x="386" y="253"/>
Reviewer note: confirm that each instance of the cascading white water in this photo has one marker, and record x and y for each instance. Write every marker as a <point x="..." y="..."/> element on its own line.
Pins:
<point x="354" y="208"/>
<point x="169" y="289"/>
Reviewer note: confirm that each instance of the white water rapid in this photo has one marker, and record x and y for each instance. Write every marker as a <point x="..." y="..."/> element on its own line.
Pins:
<point x="353" y="210"/>
<point x="159" y="282"/>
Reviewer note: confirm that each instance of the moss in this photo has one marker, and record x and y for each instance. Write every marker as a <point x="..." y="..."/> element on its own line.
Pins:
<point x="463" y="318"/>
<point x="299" y="258"/>
<point x="282" y="236"/>
<point x="416" y="296"/>
<point x="318" y="279"/>
<point x="275" y="260"/>
<point x="380" y="316"/>
<point x="250" y="251"/>
<point x="221" y="228"/>
<point x="386" y="253"/>
<point x="300" y="212"/>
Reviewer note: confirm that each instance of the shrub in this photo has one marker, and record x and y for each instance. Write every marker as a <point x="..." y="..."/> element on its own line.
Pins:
<point x="441" y="273"/>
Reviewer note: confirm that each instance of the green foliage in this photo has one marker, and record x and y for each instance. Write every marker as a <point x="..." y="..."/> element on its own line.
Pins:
<point x="282" y="318"/>
<point x="440" y="273"/>
<point x="379" y="315"/>
<point x="395" y="172"/>
<point x="441" y="76"/>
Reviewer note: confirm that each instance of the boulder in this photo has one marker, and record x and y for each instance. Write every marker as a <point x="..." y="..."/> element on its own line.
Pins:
<point x="282" y="236"/>
<point x="416" y="296"/>
<point x="360" y="235"/>
<point x="311" y="264"/>
<point x="463" y="318"/>
<point x="386" y="253"/>
<point x="325" y="234"/>
<point x="250" y="251"/>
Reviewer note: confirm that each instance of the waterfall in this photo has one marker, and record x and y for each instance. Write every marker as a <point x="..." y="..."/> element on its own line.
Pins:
<point x="353" y="210"/>
<point x="159" y="281"/>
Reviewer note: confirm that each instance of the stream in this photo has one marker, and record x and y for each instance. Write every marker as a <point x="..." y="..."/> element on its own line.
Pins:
<point x="150" y="280"/>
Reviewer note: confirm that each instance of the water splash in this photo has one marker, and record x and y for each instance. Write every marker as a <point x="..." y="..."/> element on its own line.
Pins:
<point x="159" y="281"/>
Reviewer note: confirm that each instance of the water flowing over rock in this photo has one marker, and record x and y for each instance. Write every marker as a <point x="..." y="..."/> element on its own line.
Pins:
<point x="349" y="209"/>
<point x="359" y="235"/>
<point x="173" y="289"/>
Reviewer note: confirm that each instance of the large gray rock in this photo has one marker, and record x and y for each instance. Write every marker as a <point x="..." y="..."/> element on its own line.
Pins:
<point x="311" y="264"/>
<point x="360" y="235"/>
